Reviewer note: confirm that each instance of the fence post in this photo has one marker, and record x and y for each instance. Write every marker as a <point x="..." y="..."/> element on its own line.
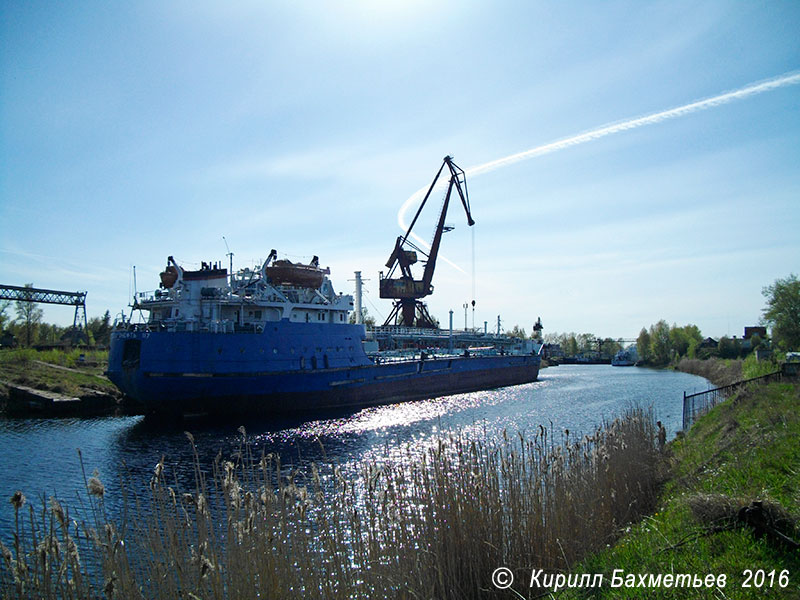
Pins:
<point x="684" y="410"/>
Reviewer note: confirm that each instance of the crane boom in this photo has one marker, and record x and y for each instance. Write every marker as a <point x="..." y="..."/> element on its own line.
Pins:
<point x="405" y="290"/>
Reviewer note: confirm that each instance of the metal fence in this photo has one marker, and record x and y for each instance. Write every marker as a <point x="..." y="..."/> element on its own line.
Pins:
<point x="696" y="405"/>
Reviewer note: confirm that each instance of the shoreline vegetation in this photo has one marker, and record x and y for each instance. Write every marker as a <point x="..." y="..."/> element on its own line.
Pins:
<point x="723" y="372"/>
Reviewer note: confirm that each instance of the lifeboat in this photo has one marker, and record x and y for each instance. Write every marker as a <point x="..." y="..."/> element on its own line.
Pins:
<point x="169" y="276"/>
<point x="285" y="272"/>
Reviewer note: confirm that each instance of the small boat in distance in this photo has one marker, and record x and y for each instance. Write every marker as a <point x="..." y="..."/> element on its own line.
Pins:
<point x="626" y="357"/>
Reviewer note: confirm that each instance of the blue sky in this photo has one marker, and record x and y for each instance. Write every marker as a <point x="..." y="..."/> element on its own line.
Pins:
<point x="134" y="131"/>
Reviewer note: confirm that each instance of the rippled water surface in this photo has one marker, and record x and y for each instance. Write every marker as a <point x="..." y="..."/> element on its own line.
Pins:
<point x="40" y="456"/>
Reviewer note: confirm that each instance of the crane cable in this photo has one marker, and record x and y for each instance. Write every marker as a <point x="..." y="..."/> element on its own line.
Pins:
<point x="473" y="276"/>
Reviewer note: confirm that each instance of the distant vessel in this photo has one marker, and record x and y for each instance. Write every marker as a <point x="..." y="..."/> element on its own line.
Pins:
<point x="277" y="339"/>
<point x="626" y="357"/>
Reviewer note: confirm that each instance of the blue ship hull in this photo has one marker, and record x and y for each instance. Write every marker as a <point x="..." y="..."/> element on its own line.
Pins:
<point x="289" y="367"/>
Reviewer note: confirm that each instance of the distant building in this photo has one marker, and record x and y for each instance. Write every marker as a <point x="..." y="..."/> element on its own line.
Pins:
<point x="553" y="351"/>
<point x="751" y="331"/>
<point x="709" y="343"/>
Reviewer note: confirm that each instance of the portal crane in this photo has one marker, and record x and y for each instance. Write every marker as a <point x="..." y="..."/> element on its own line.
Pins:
<point x="405" y="290"/>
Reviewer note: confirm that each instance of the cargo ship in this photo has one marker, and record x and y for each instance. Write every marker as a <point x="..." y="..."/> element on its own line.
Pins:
<point x="277" y="338"/>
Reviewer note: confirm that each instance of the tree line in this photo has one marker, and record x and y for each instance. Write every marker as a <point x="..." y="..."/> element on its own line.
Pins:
<point x="661" y="343"/>
<point x="574" y="344"/>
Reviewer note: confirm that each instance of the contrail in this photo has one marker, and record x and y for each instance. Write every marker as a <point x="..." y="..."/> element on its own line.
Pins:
<point x="753" y="89"/>
<point x="745" y="92"/>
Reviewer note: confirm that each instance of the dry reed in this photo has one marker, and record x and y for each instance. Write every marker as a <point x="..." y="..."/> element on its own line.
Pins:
<point x="435" y="523"/>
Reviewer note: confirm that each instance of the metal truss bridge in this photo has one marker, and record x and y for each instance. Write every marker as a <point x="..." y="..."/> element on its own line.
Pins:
<point x="40" y="296"/>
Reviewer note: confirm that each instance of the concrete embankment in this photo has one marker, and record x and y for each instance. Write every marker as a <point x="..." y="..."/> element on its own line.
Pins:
<point x="27" y="401"/>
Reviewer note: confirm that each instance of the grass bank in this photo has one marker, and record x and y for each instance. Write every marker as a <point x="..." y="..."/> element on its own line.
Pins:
<point x="71" y="373"/>
<point x="745" y="450"/>
<point x="432" y="523"/>
<point x="722" y="372"/>
<point x="65" y="371"/>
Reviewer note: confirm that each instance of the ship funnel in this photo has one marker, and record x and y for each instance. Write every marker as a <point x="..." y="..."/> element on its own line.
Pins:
<point x="359" y="318"/>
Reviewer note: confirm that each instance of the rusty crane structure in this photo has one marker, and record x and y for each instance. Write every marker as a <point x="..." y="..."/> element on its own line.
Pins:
<point x="406" y="291"/>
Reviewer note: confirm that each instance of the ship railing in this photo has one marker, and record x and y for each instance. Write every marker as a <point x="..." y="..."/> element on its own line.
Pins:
<point x="157" y="296"/>
<point x="189" y="326"/>
<point x="399" y="356"/>
<point x="174" y="294"/>
<point x="405" y="356"/>
<point x="398" y="330"/>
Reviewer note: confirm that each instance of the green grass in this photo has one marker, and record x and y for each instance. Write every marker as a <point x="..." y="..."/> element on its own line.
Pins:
<point x="744" y="450"/>
<point x="25" y="367"/>
<point x="752" y="367"/>
<point x="723" y="372"/>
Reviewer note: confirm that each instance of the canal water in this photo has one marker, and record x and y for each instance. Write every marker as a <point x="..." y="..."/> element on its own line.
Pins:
<point x="40" y="456"/>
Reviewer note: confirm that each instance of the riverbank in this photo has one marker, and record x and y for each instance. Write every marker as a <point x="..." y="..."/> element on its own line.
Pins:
<point x="717" y="371"/>
<point x="722" y="372"/>
<point x="728" y="514"/>
<point x="57" y="383"/>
